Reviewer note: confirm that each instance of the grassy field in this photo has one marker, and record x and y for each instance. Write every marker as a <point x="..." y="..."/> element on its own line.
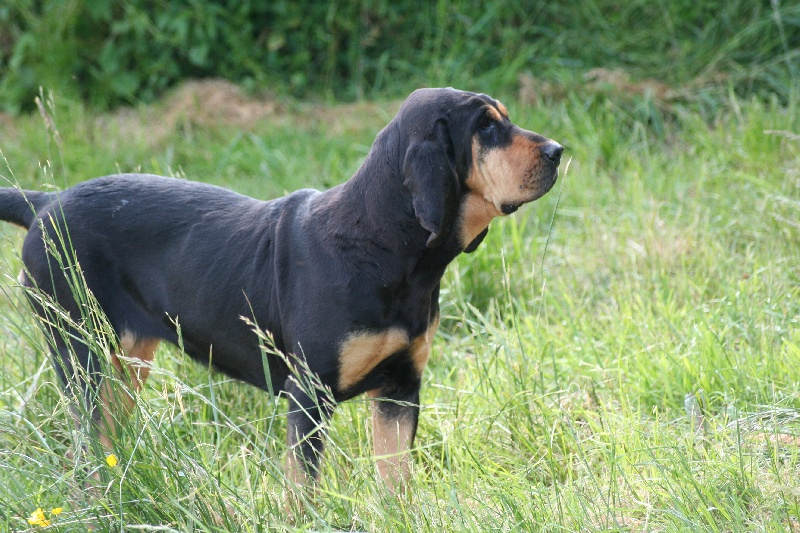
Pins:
<point x="622" y="355"/>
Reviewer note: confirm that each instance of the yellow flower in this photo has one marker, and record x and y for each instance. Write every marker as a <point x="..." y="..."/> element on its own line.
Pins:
<point x="56" y="511"/>
<point x="111" y="460"/>
<point x="37" y="518"/>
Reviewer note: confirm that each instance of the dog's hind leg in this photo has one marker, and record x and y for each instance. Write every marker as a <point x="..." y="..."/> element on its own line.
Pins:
<point x="116" y="398"/>
<point x="101" y="395"/>
<point x="79" y="371"/>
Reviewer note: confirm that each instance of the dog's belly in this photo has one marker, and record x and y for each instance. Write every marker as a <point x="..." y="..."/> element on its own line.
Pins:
<point x="240" y="358"/>
<point x="214" y="326"/>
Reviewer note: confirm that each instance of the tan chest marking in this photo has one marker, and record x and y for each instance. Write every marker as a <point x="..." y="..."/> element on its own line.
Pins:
<point x="362" y="352"/>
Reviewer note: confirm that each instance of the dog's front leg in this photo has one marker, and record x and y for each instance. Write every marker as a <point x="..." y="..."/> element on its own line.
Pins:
<point x="310" y="408"/>
<point x="395" y="414"/>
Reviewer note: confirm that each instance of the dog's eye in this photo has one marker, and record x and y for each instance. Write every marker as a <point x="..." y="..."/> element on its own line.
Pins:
<point x="487" y="124"/>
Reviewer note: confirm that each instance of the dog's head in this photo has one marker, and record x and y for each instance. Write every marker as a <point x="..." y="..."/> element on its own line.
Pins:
<point x="466" y="163"/>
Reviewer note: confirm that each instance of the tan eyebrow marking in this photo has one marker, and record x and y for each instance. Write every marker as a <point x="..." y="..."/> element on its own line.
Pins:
<point x="502" y="109"/>
<point x="493" y="113"/>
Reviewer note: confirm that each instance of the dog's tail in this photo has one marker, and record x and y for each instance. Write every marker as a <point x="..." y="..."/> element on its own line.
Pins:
<point x="20" y="207"/>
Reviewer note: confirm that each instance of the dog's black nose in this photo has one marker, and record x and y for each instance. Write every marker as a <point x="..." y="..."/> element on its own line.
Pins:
<point x="552" y="150"/>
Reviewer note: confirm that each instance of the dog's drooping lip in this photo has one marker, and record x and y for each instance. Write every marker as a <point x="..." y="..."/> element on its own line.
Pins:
<point x="508" y="208"/>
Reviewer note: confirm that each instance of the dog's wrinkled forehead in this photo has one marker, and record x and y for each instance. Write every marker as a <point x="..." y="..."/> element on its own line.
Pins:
<point x="426" y="106"/>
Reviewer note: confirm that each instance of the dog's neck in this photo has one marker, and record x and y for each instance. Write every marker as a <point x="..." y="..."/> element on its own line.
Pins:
<point x="372" y="214"/>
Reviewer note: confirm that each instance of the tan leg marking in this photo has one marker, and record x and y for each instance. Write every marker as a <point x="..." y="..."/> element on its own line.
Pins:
<point x="362" y="352"/>
<point x="300" y="488"/>
<point x="294" y="472"/>
<point x="115" y="404"/>
<point x="391" y="438"/>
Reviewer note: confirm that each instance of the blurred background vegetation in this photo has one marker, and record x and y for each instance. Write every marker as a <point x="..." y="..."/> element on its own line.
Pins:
<point x="112" y="52"/>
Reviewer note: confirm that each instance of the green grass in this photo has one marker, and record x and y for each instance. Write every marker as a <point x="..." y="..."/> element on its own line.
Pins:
<point x="665" y="263"/>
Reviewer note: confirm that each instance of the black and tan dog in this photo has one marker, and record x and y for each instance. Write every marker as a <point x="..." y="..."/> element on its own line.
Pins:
<point x="346" y="280"/>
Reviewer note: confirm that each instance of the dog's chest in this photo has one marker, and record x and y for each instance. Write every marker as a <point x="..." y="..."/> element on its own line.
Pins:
<point x="362" y="352"/>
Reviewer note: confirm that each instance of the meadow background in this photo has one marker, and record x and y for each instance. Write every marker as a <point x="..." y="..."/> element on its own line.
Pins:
<point x="622" y="355"/>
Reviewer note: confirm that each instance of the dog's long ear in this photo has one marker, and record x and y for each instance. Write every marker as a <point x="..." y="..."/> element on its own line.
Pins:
<point x="429" y="174"/>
